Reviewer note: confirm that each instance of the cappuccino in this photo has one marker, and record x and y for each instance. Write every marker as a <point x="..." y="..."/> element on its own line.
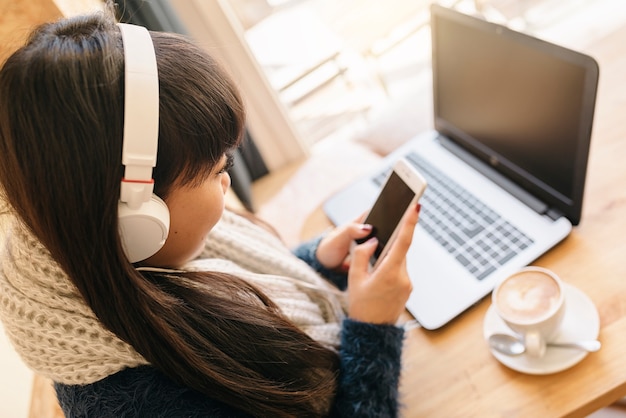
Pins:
<point x="528" y="296"/>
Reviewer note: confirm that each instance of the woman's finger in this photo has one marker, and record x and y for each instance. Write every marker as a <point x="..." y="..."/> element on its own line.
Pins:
<point x="359" y="265"/>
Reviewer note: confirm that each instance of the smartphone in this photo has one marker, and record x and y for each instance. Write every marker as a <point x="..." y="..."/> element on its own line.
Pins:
<point x="403" y="187"/>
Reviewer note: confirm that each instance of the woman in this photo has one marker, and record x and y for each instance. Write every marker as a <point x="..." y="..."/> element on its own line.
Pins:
<point x="223" y="320"/>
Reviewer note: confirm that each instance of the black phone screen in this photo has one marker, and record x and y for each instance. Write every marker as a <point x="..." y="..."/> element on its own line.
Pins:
<point x="387" y="211"/>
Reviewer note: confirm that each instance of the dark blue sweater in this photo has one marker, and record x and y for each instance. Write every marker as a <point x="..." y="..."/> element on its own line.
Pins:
<point x="368" y="377"/>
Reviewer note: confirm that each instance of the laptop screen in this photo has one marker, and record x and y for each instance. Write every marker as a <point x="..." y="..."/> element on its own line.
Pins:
<point x="522" y="105"/>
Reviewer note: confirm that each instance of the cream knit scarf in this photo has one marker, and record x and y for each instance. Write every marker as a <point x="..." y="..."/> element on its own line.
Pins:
<point x="58" y="336"/>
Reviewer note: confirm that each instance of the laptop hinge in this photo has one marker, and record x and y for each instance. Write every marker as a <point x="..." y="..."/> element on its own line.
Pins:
<point x="521" y="194"/>
<point x="554" y="214"/>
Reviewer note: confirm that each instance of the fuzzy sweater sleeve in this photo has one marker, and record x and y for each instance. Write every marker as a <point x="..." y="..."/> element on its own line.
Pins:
<point x="306" y="252"/>
<point x="370" y="356"/>
<point x="369" y="374"/>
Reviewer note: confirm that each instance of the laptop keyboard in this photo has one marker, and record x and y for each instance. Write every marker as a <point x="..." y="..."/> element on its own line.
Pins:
<point x="479" y="238"/>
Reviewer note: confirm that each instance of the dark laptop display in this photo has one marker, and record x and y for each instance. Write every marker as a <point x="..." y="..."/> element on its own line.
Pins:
<point x="541" y="138"/>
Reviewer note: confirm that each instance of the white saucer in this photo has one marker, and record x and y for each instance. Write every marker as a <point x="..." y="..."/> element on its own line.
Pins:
<point x="581" y="322"/>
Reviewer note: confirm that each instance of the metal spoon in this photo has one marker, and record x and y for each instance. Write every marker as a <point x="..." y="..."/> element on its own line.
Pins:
<point x="514" y="346"/>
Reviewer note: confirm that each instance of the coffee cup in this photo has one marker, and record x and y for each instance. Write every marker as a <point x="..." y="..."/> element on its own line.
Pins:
<point x="532" y="304"/>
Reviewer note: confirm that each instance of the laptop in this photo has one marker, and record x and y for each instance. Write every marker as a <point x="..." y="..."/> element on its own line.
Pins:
<point x="505" y="163"/>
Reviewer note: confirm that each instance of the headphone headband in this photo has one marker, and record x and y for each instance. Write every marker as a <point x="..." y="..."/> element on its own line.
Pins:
<point x="141" y="115"/>
<point x="143" y="217"/>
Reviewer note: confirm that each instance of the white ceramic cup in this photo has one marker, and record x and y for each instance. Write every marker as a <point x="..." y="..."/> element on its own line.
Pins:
<point x="532" y="303"/>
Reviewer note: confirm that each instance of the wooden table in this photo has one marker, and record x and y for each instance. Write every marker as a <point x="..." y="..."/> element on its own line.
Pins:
<point x="450" y="372"/>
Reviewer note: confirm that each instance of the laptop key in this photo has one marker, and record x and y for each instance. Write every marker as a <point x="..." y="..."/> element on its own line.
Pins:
<point x="476" y="236"/>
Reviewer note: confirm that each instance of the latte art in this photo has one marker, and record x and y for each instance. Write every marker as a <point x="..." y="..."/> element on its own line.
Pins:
<point x="527" y="296"/>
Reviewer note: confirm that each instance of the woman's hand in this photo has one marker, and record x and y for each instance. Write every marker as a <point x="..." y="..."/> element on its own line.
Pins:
<point x="333" y="250"/>
<point x="379" y="296"/>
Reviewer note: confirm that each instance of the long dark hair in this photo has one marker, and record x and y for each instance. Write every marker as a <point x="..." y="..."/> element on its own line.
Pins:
<point x="61" y="124"/>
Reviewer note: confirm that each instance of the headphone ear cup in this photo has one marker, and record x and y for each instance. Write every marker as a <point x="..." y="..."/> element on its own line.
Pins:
<point x="144" y="230"/>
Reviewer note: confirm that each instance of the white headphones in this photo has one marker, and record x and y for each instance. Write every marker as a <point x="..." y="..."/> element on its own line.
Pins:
<point x="144" y="219"/>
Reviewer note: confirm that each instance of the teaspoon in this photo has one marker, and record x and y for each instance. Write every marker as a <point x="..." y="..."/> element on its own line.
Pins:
<point x="514" y="346"/>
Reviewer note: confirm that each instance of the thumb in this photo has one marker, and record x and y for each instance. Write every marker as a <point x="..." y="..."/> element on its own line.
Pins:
<point x="361" y="256"/>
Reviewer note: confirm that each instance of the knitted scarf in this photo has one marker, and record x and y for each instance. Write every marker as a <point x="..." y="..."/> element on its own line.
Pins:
<point x="58" y="336"/>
